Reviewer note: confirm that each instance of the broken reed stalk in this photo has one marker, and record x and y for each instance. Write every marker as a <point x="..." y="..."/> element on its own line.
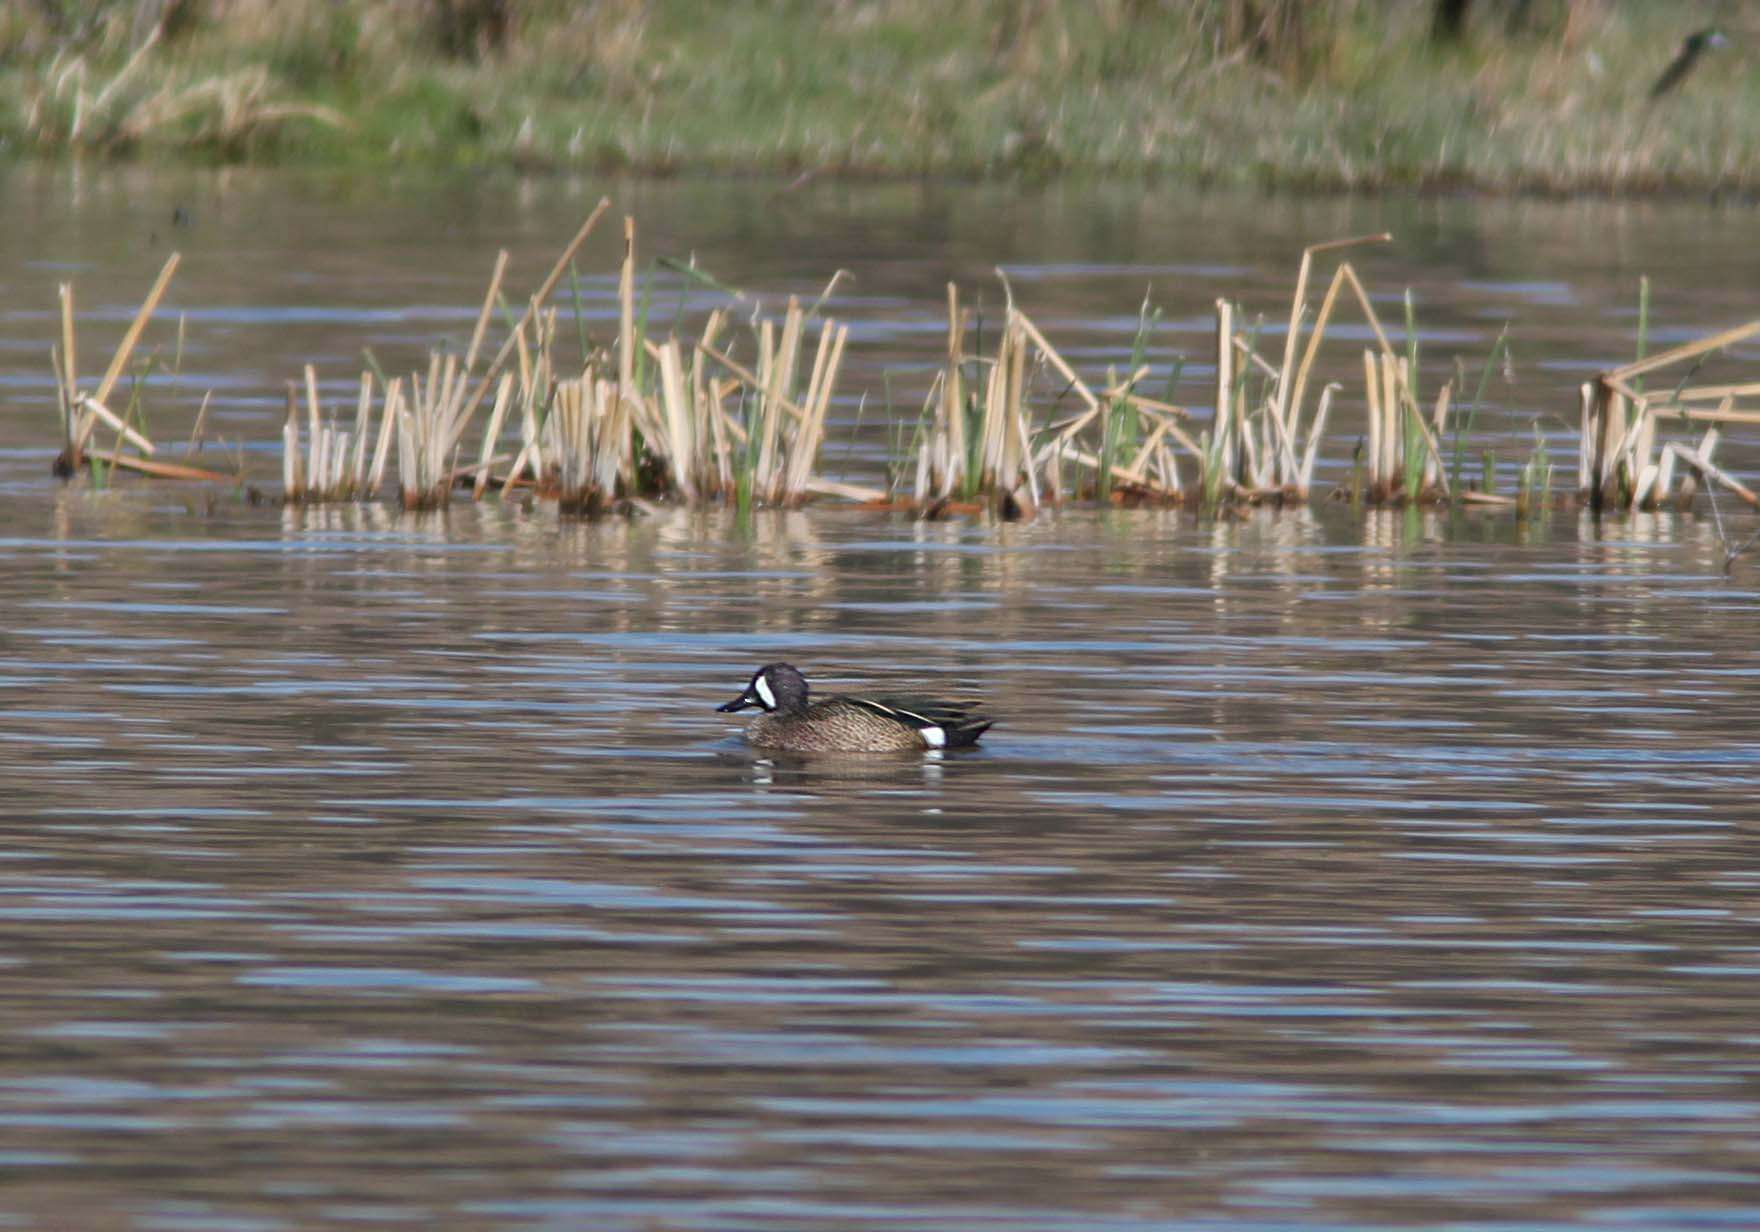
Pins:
<point x="1620" y="462"/>
<point x="161" y="470"/>
<point x="1291" y="388"/>
<point x="82" y="413"/>
<point x="1699" y="461"/>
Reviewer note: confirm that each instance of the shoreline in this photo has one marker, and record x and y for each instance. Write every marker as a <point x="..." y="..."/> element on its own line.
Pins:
<point x="1365" y="100"/>
<point x="788" y="180"/>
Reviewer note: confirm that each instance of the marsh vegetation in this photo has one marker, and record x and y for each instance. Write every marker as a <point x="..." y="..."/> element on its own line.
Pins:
<point x="1539" y="95"/>
<point x="734" y="408"/>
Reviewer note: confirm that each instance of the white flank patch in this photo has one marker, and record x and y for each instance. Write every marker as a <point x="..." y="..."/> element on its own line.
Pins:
<point x="934" y="737"/>
<point x="762" y="687"/>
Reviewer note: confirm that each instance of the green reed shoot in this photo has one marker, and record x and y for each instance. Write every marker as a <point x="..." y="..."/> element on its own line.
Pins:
<point x="696" y="273"/>
<point x="1643" y="324"/>
<point x="1415" y="449"/>
<point x="1148" y="317"/>
<point x="577" y="305"/>
<point x="836" y="277"/>
<point x="1243" y="366"/>
<point x="1466" y="417"/>
<point x="745" y="461"/>
<point x="1536" y="477"/>
<point x="133" y="412"/>
<point x="1239" y="400"/>
<point x="906" y="453"/>
<point x="849" y="446"/>
<point x="1412" y="338"/>
<point x="1111" y="419"/>
<point x="372" y="362"/>
<point x="678" y="305"/>
<point x="1175" y="370"/>
<point x="1417" y="452"/>
<point x="973" y="384"/>
<point x="643" y="308"/>
<point x="1215" y="475"/>
<point x="969" y="474"/>
<point x="177" y="356"/>
<point x="899" y="454"/>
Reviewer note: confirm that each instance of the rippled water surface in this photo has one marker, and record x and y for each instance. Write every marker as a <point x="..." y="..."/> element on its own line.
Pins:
<point x="1323" y="870"/>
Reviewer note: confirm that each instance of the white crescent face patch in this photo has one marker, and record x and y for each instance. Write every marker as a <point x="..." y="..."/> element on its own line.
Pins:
<point x="761" y="687"/>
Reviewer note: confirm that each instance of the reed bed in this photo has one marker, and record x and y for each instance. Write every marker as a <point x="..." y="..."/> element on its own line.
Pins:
<point x="977" y="440"/>
<point x="1269" y="441"/>
<point x="735" y="412"/>
<point x="636" y="420"/>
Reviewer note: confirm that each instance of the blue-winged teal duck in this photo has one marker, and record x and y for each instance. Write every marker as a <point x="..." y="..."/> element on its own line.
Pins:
<point x="844" y="724"/>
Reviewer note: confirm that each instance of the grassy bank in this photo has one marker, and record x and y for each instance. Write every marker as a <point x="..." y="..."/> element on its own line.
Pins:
<point x="1542" y="96"/>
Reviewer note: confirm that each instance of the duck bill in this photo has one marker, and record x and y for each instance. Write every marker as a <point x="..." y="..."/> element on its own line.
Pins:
<point x="742" y="702"/>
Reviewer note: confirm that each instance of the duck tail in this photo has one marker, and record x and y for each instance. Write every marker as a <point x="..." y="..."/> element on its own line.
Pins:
<point x="966" y="732"/>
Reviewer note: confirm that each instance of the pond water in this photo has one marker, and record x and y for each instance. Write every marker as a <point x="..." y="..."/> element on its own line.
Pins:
<point x="1325" y="869"/>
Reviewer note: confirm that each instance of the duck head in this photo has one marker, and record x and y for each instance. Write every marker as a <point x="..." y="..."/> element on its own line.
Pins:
<point x="775" y="686"/>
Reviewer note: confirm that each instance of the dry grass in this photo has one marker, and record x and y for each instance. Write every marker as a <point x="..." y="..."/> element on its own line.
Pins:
<point x="77" y="104"/>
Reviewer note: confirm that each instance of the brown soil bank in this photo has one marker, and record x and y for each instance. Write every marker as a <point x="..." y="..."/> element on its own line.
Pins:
<point x="1495" y="95"/>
